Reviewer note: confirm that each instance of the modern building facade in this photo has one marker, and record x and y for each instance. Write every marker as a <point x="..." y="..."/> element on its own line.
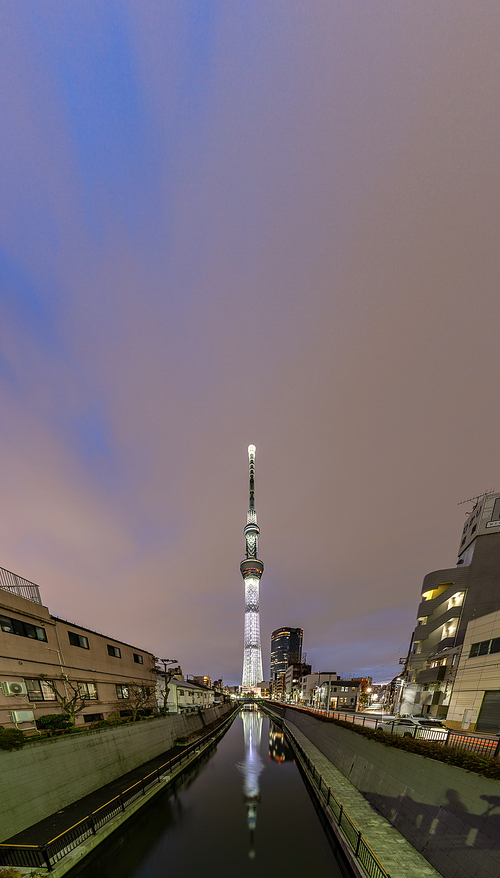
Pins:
<point x="451" y="599"/>
<point x="38" y="649"/>
<point x="251" y="569"/>
<point x="286" y="648"/>
<point x="475" y="700"/>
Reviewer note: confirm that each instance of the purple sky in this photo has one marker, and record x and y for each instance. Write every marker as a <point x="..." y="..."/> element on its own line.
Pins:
<point x="251" y="222"/>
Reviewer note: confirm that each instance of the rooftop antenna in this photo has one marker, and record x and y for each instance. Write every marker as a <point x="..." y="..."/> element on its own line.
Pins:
<point x="479" y="497"/>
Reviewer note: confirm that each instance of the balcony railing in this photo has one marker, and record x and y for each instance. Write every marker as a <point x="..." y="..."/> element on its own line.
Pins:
<point x="17" y="585"/>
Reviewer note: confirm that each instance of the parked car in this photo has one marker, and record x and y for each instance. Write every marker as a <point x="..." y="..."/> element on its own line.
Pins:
<point x="416" y="727"/>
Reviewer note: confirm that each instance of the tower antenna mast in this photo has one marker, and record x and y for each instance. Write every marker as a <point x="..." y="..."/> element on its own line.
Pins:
<point x="251" y="569"/>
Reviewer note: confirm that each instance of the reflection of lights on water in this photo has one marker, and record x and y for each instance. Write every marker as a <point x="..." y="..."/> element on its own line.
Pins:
<point x="278" y="749"/>
<point x="251" y="769"/>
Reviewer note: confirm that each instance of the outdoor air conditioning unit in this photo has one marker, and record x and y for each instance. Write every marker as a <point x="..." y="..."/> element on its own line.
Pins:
<point x="14" y="687"/>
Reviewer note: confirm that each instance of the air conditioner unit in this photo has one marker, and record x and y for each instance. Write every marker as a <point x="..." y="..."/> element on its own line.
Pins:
<point x="22" y="716"/>
<point x="14" y="687"/>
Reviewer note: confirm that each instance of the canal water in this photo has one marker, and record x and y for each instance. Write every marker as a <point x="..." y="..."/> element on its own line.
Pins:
<point x="243" y="811"/>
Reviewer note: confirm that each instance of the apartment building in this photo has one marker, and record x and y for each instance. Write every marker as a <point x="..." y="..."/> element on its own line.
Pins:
<point x="452" y="599"/>
<point x="38" y="649"/>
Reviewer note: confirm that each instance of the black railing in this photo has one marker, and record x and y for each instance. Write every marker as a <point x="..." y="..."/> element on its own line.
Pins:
<point x="46" y="855"/>
<point x="354" y="837"/>
<point x="487" y="747"/>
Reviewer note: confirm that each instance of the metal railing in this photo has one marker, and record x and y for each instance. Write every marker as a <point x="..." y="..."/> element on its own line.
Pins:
<point x="354" y="837"/>
<point x="46" y="855"/>
<point x="17" y="585"/>
<point x="473" y="743"/>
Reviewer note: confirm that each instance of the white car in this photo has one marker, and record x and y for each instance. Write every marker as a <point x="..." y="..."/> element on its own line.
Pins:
<point x="416" y="727"/>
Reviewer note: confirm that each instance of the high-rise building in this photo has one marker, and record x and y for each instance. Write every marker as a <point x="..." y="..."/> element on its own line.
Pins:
<point x="451" y="599"/>
<point x="251" y="570"/>
<point x="286" y="648"/>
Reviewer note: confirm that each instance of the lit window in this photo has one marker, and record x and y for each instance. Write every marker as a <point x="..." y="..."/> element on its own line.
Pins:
<point x="39" y="690"/>
<point x="121" y="691"/>
<point x="88" y="690"/>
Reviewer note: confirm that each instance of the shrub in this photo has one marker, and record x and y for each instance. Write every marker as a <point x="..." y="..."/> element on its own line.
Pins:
<point x="54" y="722"/>
<point x="430" y="749"/>
<point x="10" y="739"/>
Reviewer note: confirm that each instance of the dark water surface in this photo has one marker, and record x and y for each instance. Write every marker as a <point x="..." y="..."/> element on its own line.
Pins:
<point x="244" y="811"/>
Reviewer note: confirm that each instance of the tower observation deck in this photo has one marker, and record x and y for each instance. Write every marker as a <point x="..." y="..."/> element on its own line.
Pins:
<point x="251" y="570"/>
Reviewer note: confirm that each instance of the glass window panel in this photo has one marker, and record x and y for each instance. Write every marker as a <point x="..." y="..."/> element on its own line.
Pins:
<point x="484" y="647"/>
<point x="495" y="645"/>
<point x="6" y="625"/>
<point x="18" y="627"/>
<point x="48" y="694"/>
<point x="40" y="633"/>
<point x="30" y="630"/>
<point x="474" y="650"/>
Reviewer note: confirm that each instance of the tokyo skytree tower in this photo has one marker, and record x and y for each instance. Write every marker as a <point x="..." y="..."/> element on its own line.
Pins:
<point x="251" y="570"/>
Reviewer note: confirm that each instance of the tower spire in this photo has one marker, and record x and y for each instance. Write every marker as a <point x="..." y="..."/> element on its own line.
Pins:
<point x="251" y="569"/>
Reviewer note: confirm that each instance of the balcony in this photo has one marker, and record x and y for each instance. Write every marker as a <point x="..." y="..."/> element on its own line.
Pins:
<point x="432" y="675"/>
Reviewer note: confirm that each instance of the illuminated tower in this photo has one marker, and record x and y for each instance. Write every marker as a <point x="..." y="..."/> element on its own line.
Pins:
<point x="251" y="571"/>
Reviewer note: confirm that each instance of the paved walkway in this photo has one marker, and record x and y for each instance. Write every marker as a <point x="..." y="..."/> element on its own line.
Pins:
<point x="397" y="855"/>
<point x="57" y="823"/>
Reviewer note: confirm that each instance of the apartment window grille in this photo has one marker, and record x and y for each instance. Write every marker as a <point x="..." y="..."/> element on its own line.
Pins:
<point x="78" y="640"/>
<point x="39" y="690"/>
<point x="138" y="659"/>
<point x="114" y="651"/>
<point x="23" y="629"/>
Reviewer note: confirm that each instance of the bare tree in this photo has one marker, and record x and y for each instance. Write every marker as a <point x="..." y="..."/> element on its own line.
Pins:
<point x="73" y="700"/>
<point x="140" y="698"/>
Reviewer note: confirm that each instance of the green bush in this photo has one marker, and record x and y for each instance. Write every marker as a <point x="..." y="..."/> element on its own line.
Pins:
<point x="54" y="722"/>
<point x="11" y="739"/>
<point x="430" y="749"/>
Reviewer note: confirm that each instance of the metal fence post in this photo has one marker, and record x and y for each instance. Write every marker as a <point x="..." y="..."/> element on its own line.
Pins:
<point x="43" y="850"/>
<point x="92" y="824"/>
<point x="122" y="803"/>
<point x="356" y="852"/>
<point x="496" y="752"/>
<point x="340" y="814"/>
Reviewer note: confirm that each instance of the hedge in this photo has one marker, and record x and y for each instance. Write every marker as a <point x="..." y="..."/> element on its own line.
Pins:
<point x="430" y="749"/>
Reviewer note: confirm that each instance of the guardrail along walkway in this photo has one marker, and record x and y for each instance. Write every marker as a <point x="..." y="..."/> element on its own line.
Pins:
<point x="398" y="857"/>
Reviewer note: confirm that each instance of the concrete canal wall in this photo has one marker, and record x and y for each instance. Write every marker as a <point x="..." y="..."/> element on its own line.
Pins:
<point x="47" y="775"/>
<point x="449" y="815"/>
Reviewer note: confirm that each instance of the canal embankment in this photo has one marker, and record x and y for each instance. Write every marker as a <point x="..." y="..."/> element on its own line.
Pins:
<point x="37" y="847"/>
<point x="449" y="816"/>
<point x="48" y="775"/>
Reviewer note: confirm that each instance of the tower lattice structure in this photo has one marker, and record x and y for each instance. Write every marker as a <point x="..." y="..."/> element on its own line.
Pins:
<point x="251" y="570"/>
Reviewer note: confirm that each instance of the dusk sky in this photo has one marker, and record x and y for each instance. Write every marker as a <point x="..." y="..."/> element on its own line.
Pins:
<point x="225" y="223"/>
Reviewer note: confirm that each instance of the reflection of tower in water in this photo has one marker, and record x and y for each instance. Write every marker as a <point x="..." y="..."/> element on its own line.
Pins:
<point x="251" y="768"/>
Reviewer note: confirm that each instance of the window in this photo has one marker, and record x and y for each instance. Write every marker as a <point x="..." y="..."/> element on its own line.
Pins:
<point x="114" y="650"/>
<point x="121" y="691"/>
<point x="92" y="717"/>
<point x="78" y="640"/>
<point x="23" y="629"/>
<point x="138" y="659"/>
<point x="484" y="647"/>
<point x="39" y="690"/>
<point x="88" y="690"/>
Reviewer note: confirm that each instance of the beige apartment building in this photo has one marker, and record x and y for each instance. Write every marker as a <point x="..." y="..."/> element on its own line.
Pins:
<point x="36" y="647"/>
<point x="475" y="700"/>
